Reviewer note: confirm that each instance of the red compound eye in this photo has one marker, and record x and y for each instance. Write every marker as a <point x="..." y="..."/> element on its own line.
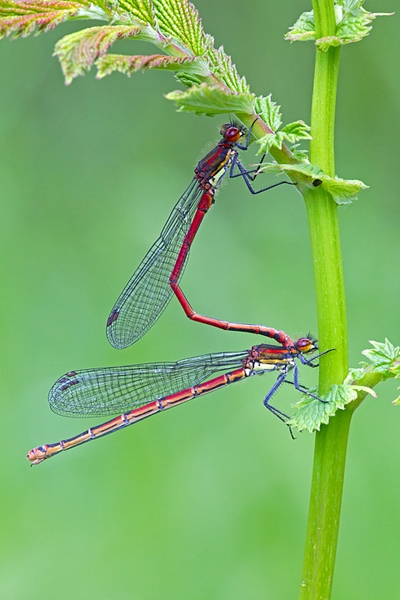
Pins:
<point x="305" y="345"/>
<point x="232" y="131"/>
<point x="232" y="134"/>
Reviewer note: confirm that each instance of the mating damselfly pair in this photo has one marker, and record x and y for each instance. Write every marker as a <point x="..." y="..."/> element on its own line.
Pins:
<point x="139" y="391"/>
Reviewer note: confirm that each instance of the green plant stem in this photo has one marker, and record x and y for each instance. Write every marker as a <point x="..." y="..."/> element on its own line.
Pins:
<point x="324" y="511"/>
<point x="331" y="441"/>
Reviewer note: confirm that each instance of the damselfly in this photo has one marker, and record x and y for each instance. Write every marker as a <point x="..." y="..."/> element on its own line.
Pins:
<point x="150" y="288"/>
<point x="139" y="391"/>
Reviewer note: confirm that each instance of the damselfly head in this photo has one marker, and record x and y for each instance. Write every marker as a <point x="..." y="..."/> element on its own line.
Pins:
<point x="306" y="344"/>
<point x="232" y="132"/>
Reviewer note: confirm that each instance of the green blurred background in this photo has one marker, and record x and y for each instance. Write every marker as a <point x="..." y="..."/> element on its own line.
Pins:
<point x="208" y="501"/>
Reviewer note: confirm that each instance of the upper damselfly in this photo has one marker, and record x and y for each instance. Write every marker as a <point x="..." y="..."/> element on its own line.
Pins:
<point x="150" y="288"/>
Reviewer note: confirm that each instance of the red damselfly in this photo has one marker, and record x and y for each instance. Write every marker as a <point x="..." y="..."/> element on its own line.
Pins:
<point x="139" y="391"/>
<point x="150" y="287"/>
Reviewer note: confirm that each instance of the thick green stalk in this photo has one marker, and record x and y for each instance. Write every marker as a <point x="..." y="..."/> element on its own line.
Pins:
<point x="331" y="441"/>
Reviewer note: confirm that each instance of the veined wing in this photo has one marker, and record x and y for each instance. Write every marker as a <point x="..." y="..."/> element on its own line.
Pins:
<point x="148" y="291"/>
<point x="104" y="392"/>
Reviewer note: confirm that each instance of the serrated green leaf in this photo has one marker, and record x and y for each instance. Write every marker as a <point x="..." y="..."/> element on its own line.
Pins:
<point x="323" y="44"/>
<point x="130" y="64"/>
<point x="290" y="133"/>
<point x="223" y="68"/>
<point x="180" y="20"/>
<point x="269" y="112"/>
<point x="306" y="174"/>
<point x="353" y="23"/>
<point x="304" y="28"/>
<point x="311" y="413"/>
<point x="365" y="389"/>
<point x="343" y="191"/>
<point x="20" y="19"/>
<point x="381" y="350"/>
<point x="296" y="131"/>
<point x="172" y="25"/>
<point x="141" y="10"/>
<point x="268" y="141"/>
<point x="385" y="358"/>
<point x="384" y="364"/>
<point x="357" y="373"/>
<point x="204" y="99"/>
<point x="78" y="51"/>
<point x="299" y="155"/>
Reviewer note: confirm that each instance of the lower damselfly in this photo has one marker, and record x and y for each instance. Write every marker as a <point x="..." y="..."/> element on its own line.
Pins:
<point x="140" y="391"/>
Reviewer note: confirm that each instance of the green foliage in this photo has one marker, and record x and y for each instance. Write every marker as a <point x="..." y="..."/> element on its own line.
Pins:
<point x="306" y="175"/>
<point x="20" y="19"/>
<point x="174" y="26"/>
<point x="140" y="10"/>
<point x="181" y="22"/>
<point x="304" y="28"/>
<point x="311" y="413"/>
<point x="222" y="67"/>
<point x="384" y="359"/>
<point x="130" y="64"/>
<point x="298" y="130"/>
<point x="343" y="191"/>
<point x="291" y="133"/>
<point x="269" y="111"/>
<point x="78" y="51"/>
<point x="353" y="23"/>
<point x="208" y="100"/>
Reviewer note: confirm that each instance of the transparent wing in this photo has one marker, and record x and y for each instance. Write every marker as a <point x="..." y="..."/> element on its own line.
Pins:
<point x="148" y="291"/>
<point x="104" y="392"/>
